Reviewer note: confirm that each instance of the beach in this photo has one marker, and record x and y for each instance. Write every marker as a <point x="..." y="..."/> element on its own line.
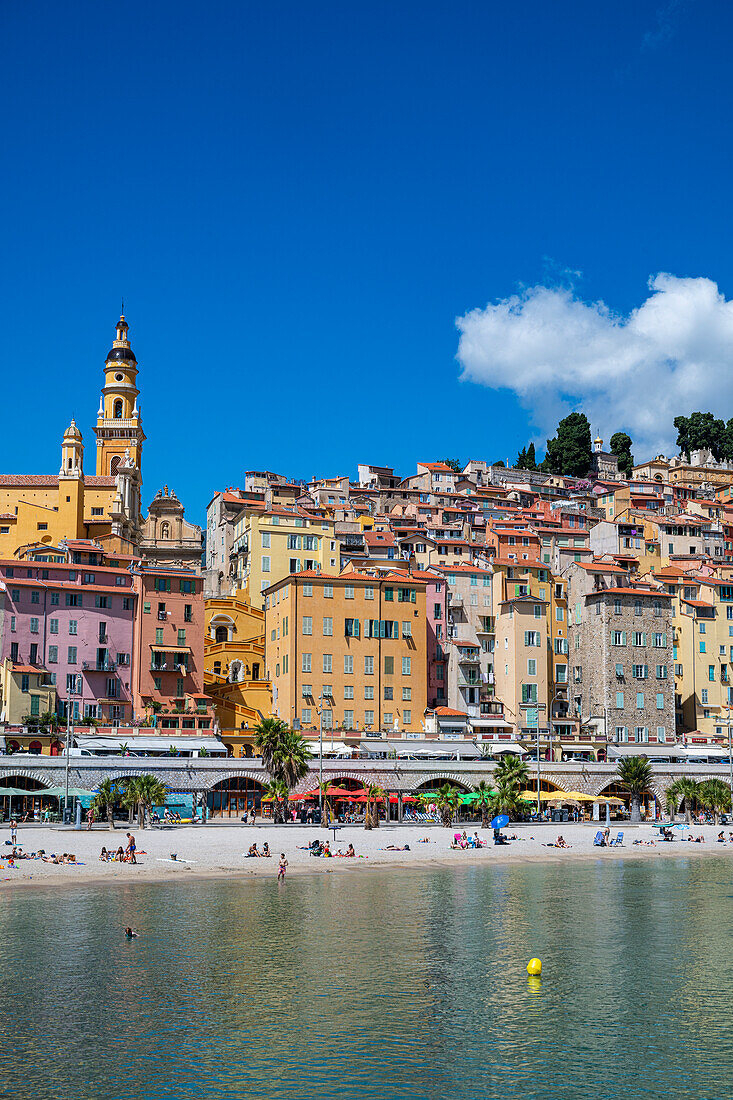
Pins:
<point x="220" y="850"/>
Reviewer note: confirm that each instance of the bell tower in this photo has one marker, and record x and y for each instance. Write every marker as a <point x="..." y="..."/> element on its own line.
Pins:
<point x="119" y="421"/>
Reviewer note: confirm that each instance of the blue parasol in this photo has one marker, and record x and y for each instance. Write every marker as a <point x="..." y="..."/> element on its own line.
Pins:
<point x="500" y="821"/>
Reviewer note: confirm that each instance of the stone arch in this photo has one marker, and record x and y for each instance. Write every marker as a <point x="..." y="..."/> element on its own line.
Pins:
<point x="236" y="672"/>
<point x="348" y="782"/>
<point x="221" y="628"/>
<point x="114" y="465"/>
<point x="235" y="795"/>
<point x="438" y="779"/>
<point x="23" y="806"/>
<point x="117" y="409"/>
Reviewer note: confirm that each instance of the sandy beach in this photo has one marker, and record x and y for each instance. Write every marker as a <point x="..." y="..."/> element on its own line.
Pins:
<point x="218" y="850"/>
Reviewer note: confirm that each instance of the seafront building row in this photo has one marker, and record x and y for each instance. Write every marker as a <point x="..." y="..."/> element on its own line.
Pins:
<point x="464" y="612"/>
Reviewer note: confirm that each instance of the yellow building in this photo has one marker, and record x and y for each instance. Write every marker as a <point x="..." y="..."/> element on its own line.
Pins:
<point x="271" y="545"/>
<point x="234" y="669"/>
<point x="26" y="692"/>
<point x="703" y="649"/>
<point x="43" y="509"/>
<point x="353" y="646"/>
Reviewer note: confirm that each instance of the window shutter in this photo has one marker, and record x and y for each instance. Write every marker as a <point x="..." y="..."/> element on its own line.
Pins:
<point x="623" y="637"/>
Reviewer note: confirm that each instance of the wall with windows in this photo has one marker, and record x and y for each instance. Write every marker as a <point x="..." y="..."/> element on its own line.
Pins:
<point x="353" y="646"/>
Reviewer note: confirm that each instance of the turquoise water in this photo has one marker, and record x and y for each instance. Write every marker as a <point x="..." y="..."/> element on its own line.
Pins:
<point x="389" y="985"/>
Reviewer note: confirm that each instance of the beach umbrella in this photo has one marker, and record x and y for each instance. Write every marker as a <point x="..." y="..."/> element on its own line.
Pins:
<point x="682" y="825"/>
<point x="579" y="796"/>
<point x="499" y="822"/>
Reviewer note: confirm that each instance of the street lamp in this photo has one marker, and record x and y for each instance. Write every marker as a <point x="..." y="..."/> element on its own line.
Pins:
<point x="67" y="747"/>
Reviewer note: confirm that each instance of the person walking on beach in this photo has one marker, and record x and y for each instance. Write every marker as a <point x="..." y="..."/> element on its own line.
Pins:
<point x="131" y="848"/>
<point x="90" y="818"/>
<point x="282" y="868"/>
<point x="13" y="831"/>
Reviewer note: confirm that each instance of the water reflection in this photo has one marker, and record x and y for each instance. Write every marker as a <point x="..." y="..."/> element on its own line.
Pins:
<point x="409" y="984"/>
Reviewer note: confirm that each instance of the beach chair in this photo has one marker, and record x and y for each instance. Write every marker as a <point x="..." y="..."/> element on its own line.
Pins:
<point x="598" y="841"/>
<point x="618" y="841"/>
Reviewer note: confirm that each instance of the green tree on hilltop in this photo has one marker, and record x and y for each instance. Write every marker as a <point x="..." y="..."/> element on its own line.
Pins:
<point x="454" y="464"/>
<point x="569" y="453"/>
<point x="526" y="459"/>
<point x="621" y="445"/>
<point x="703" y="430"/>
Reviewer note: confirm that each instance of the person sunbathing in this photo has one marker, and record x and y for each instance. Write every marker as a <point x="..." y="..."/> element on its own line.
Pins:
<point x="252" y="852"/>
<point x="561" y="843"/>
<point x="350" y="851"/>
<point x="327" y="849"/>
<point x="266" y="850"/>
<point x="103" y="856"/>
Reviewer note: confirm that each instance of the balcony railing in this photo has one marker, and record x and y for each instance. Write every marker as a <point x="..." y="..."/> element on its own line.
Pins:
<point x="99" y="666"/>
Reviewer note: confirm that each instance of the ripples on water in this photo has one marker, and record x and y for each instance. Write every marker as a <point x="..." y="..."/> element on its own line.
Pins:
<point x="388" y="985"/>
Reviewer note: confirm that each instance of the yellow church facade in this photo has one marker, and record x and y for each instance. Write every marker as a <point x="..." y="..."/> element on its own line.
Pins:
<point x="40" y="510"/>
<point x="234" y="668"/>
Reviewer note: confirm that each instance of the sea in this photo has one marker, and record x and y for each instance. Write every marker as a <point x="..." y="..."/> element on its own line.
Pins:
<point x="382" y="984"/>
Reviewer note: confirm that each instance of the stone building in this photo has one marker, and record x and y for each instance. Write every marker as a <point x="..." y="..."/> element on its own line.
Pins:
<point x="621" y="656"/>
<point x="166" y="537"/>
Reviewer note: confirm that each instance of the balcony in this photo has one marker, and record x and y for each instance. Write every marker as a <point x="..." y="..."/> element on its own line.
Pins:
<point x="455" y="600"/>
<point x="486" y="625"/>
<point x="99" y="666"/>
<point x="468" y="657"/>
<point x="468" y="681"/>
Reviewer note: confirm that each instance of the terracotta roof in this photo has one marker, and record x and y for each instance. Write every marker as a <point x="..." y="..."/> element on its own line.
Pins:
<point x="630" y="592"/>
<point x="698" y="603"/>
<point x="28" y="668"/>
<point x="441" y="466"/>
<point x="446" y="712"/>
<point x="379" y="538"/>
<point x="600" y="567"/>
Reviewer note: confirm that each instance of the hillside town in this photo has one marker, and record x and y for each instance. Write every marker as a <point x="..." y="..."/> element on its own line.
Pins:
<point x="460" y="610"/>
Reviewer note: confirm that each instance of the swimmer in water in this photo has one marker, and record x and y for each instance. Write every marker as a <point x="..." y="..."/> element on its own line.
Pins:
<point x="130" y="934"/>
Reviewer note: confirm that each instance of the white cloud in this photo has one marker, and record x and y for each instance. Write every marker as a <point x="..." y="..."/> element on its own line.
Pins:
<point x="671" y="355"/>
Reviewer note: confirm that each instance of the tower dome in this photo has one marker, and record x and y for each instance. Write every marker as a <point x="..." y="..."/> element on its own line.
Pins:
<point x="121" y="352"/>
<point x="72" y="432"/>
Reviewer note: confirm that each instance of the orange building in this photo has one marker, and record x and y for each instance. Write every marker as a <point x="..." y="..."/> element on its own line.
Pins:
<point x="353" y="645"/>
<point x="168" y="648"/>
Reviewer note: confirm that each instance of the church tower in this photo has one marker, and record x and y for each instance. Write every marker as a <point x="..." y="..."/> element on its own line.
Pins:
<point x="119" y="422"/>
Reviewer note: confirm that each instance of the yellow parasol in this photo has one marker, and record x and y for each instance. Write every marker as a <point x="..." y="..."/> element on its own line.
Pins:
<point x="610" y="801"/>
<point x="578" y="796"/>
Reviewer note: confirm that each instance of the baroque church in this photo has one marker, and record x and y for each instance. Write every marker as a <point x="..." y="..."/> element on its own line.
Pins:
<point x="47" y="512"/>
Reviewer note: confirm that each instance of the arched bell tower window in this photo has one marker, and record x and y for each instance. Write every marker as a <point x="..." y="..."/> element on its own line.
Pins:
<point x="114" y="464"/>
<point x="118" y="409"/>
<point x="222" y="634"/>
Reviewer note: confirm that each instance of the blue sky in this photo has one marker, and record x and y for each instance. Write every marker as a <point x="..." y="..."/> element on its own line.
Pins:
<point x="298" y="201"/>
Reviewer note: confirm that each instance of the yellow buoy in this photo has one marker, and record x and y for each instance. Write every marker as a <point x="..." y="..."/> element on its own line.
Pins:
<point x="534" y="967"/>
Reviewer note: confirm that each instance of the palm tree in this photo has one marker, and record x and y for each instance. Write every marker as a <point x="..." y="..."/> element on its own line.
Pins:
<point x="506" y="799"/>
<point x="714" y="794"/>
<point x="278" y="792"/>
<point x="371" y="816"/>
<point x="635" y="776"/>
<point x="483" y="802"/>
<point x="689" y="790"/>
<point x="672" y="799"/>
<point x="285" y="754"/>
<point x="103" y="803"/>
<point x="447" y="802"/>
<point x="323" y="789"/>
<point x="267" y="739"/>
<point x="510" y="770"/>
<point x="151" y="792"/>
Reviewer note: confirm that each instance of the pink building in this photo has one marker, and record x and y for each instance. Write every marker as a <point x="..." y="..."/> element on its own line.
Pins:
<point x="75" y="621"/>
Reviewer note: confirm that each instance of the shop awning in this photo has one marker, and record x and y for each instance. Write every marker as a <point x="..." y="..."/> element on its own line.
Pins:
<point x="494" y="748"/>
<point x="705" y="750"/>
<point x="153" y="744"/>
<point x="170" y="648"/>
<point x="653" y="752"/>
